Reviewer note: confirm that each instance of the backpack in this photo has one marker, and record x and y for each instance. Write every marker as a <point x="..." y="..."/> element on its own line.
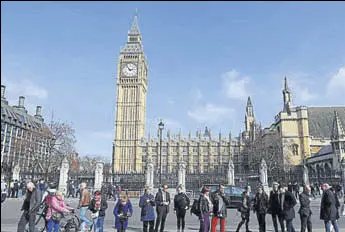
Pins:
<point x="195" y="208"/>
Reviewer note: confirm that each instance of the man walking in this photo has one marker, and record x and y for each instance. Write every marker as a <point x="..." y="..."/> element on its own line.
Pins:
<point x="329" y="212"/>
<point x="305" y="211"/>
<point x="30" y="208"/>
<point x="274" y="208"/>
<point x="162" y="200"/>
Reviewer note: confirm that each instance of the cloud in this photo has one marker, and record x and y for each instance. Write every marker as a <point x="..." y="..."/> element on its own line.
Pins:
<point x="171" y="101"/>
<point x="210" y="113"/>
<point x="336" y="85"/>
<point x="196" y="94"/>
<point x="235" y="85"/>
<point x="25" y="88"/>
<point x="103" y="134"/>
<point x="298" y="83"/>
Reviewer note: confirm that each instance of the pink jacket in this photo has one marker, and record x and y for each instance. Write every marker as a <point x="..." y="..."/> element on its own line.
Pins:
<point x="57" y="205"/>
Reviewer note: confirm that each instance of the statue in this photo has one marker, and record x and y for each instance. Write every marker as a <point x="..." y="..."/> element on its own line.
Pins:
<point x="263" y="173"/>
<point x="16" y="172"/>
<point x="182" y="174"/>
<point x="99" y="175"/>
<point x="305" y="175"/>
<point x="231" y="173"/>
<point x="63" y="176"/>
<point x="150" y="172"/>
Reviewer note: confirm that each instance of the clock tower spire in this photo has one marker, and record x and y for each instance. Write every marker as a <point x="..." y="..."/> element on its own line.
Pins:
<point x="130" y="115"/>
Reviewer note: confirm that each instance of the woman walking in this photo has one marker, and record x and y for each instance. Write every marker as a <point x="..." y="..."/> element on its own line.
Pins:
<point x="245" y="210"/>
<point x="181" y="205"/>
<point x="123" y="209"/>
<point x="261" y="207"/>
<point x="97" y="206"/>
<point x="206" y="208"/>
<point x="146" y="203"/>
<point x="55" y="209"/>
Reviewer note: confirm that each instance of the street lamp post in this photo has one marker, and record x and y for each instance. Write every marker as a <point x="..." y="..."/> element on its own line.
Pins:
<point x="160" y="127"/>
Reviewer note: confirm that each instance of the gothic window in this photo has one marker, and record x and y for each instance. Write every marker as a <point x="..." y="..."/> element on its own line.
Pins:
<point x="154" y="149"/>
<point x="185" y="149"/>
<point x="174" y="149"/>
<point x="195" y="149"/>
<point x="295" y="149"/>
<point x="343" y="147"/>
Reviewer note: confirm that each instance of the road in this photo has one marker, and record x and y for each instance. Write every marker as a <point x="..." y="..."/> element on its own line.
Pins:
<point x="10" y="214"/>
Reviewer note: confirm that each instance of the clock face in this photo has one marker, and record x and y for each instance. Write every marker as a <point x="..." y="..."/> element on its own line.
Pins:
<point x="129" y="70"/>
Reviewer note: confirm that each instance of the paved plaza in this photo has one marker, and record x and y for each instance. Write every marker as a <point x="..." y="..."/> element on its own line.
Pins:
<point x="10" y="213"/>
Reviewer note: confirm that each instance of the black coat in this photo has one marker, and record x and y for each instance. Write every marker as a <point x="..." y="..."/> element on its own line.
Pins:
<point x="261" y="203"/>
<point x="273" y="203"/>
<point x="159" y="201"/>
<point x="329" y="206"/>
<point x="304" y="209"/>
<point x="203" y="206"/>
<point x="181" y="201"/>
<point x="288" y="206"/>
<point x="104" y="206"/>
<point x="215" y="196"/>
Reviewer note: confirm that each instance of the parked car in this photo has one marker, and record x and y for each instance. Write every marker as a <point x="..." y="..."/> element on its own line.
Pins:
<point x="233" y="193"/>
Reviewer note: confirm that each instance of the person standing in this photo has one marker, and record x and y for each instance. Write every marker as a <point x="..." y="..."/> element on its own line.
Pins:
<point x="261" y="207"/>
<point x="83" y="206"/>
<point x="122" y="210"/>
<point x="274" y="208"/>
<point x="329" y="212"/>
<point x="97" y="206"/>
<point x="146" y="203"/>
<point x="30" y="207"/>
<point x="181" y="205"/>
<point x="245" y="210"/>
<point x="304" y="210"/>
<point x="206" y="208"/>
<point x="162" y="200"/>
<point x="288" y="201"/>
<point x="57" y="207"/>
<point x="219" y="202"/>
<point x="3" y="191"/>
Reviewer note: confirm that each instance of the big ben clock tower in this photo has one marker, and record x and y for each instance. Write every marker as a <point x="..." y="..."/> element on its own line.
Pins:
<point x="130" y="104"/>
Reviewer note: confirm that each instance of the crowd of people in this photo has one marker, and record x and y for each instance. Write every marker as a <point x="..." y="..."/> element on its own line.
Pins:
<point x="210" y="207"/>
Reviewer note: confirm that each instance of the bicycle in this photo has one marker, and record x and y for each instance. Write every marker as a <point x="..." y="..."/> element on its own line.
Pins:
<point x="70" y="222"/>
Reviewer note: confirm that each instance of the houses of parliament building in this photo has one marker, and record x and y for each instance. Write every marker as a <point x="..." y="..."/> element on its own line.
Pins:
<point x="202" y="152"/>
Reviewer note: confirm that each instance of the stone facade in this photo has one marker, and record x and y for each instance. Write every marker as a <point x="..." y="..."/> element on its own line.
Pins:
<point x="303" y="130"/>
<point x="24" y="138"/>
<point x="130" y="120"/>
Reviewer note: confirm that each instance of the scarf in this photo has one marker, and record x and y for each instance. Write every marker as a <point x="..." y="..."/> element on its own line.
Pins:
<point x="210" y="205"/>
<point x="97" y="202"/>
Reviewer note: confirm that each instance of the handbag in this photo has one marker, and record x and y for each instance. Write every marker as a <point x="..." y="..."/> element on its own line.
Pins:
<point x="57" y="216"/>
<point x="95" y="215"/>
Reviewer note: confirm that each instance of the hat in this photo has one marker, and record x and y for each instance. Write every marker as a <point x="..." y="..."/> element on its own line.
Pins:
<point x="275" y="183"/>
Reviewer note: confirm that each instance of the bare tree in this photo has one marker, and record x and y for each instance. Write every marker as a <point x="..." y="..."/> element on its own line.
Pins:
<point x="267" y="146"/>
<point x="61" y="144"/>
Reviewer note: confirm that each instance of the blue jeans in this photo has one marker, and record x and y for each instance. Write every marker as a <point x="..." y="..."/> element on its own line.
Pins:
<point x="98" y="224"/>
<point x="53" y="226"/>
<point x="329" y="223"/>
<point x="83" y="218"/>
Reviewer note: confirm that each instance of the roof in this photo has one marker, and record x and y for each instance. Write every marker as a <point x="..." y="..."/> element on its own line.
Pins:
<point x="324" y="151"/>
<point x="321" y="120"/>
<point x="21" y="117"/>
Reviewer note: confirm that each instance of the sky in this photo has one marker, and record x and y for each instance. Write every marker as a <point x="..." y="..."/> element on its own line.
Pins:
<point x="205" y="59"/>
